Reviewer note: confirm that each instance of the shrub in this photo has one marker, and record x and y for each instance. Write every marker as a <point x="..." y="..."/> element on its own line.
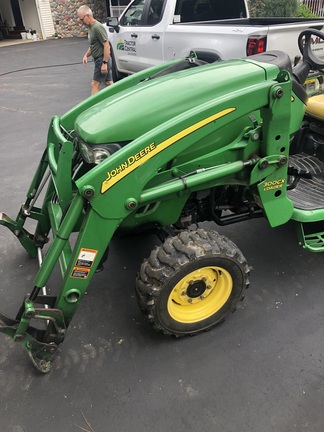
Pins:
<point x="273" y="8"/>
<point x="304" y="11"/>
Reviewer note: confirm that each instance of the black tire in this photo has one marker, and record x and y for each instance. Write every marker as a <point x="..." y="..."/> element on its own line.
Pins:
<point x="191" y="282"/>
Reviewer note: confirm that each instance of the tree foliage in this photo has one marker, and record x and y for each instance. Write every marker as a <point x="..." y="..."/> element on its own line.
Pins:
<point x="304" y="11"/>
<point x="273" y="8"/>
<point x="256" y="8"/>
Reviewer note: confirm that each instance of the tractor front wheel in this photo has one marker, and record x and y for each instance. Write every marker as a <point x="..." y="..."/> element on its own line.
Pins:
<point x="191" y="282"/>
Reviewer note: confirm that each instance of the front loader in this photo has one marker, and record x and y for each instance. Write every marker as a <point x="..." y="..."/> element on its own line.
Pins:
<point x="162" y="150"/>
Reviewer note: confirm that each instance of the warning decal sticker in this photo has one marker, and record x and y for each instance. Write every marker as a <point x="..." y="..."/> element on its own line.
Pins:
<point x="86" y="258"/>
<point x="84" y="263"/>
<point x="79" y="272"/>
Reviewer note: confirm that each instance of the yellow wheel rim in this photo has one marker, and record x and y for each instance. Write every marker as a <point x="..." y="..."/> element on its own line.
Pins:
<point x="200" y="294"/>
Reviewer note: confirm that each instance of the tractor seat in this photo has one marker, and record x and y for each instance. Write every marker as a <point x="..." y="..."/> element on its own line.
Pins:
<point x="315" y="107"/>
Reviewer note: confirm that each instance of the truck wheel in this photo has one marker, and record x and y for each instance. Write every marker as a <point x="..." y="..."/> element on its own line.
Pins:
<point x="191" y="282"/>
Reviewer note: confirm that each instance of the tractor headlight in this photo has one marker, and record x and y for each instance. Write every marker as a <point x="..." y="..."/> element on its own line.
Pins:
<point x="94" y="154"/>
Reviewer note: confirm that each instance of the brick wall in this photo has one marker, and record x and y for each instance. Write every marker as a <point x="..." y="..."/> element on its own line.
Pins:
<point x="65" y="18"/>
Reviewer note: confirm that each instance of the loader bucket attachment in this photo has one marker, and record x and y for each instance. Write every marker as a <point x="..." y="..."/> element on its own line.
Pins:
<point x="20" y="330"/>
<point x="41" y="354"/>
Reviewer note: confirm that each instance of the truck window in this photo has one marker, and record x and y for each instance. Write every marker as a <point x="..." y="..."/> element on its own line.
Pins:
<point x="209" y="10"/>
<point x="134" y="14"/>
<point x="155" y="12"/>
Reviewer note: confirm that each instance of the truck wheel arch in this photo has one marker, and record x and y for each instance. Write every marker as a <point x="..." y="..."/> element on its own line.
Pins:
<point x="207" y="56"/>
<point x="115" y="72"/>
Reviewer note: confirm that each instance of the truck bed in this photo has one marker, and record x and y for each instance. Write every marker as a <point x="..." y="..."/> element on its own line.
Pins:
<point x="316" y="23"/>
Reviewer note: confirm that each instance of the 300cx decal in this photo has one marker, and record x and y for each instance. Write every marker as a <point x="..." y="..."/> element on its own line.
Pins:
<point x="273" y="184"/>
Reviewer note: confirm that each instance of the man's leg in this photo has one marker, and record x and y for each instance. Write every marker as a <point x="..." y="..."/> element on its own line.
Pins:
<point x="95" y="86"/>
<point x="109" y="79"/>
<point x="98" y="77"/>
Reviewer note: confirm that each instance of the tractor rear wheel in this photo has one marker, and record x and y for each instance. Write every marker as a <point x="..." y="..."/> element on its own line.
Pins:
<point x="191" y="282"/>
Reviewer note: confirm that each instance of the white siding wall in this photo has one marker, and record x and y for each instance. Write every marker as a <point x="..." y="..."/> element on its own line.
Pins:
<point x="45" y="16"/>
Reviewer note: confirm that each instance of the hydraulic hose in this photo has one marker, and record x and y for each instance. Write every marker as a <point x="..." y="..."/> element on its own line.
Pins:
<point x="41" y="67"/>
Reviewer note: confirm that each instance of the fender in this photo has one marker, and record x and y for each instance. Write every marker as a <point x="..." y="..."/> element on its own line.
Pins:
<point x="207" y="56"/>
<point x="115" y="72"/>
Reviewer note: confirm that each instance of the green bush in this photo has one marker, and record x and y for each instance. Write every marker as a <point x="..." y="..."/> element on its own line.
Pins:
<point x="273" y="8"/>
<point x="270" y="8"/>
<point x="280" y="8"/>
<point x="304" y="11"/>
<point x="256" y="8"/>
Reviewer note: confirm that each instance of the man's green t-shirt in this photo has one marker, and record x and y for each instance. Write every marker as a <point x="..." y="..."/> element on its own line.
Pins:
<point x="97" y="35"/>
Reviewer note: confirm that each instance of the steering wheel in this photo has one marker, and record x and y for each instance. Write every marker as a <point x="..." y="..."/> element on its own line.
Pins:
<point x="306" y="49"/>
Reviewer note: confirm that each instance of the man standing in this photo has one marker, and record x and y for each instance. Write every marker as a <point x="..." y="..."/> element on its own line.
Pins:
<point x="99" y="49"/>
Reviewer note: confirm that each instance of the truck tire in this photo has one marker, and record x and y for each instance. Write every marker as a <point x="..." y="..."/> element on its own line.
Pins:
<point x="191" y="282"/>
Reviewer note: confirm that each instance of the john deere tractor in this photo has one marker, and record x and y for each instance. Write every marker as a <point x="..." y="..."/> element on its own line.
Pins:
<point x="164" y="150"/>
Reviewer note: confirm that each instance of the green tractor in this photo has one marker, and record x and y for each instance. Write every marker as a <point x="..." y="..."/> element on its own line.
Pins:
<point x="163" y="150"/>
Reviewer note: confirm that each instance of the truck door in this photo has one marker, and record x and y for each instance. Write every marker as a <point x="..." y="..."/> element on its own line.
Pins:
<point x="129" y="38"/>
<point x="139" y="41"/>
<point x="152" y="34"/>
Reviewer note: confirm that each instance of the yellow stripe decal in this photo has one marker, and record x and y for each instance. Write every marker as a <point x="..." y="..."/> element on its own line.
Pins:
<point x="152" y="149"/>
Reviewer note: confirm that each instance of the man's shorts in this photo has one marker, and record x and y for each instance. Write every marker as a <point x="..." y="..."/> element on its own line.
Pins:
<point x="97" y="75"/>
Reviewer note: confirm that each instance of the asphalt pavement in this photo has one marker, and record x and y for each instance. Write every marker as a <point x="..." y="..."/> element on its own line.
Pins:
<point x="260" y="371"/>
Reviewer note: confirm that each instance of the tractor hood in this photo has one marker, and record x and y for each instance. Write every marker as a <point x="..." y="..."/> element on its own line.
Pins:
<point x="132" y="112"/>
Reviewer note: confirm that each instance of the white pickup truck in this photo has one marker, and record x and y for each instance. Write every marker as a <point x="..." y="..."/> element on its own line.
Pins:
<point x="150" y="32"/>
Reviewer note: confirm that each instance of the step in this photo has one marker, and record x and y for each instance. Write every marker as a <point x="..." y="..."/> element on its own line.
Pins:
<point x="311" y="236"/>
<point x="309" y="192"/>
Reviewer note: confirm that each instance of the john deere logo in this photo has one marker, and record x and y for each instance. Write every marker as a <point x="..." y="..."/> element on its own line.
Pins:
<point x="120" y="45"/>
<point x="135" y="160"/>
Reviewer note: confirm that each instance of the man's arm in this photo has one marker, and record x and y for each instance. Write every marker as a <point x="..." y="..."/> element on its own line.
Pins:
<point x="106" y="54"/>
<point x="85" y="57"/>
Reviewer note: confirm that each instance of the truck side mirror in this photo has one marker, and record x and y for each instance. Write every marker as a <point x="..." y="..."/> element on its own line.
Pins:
<point x="113" y="22"/>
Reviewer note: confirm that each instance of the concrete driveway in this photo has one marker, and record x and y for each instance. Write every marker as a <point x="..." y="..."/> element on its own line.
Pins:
<point x="260" y="371"/>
